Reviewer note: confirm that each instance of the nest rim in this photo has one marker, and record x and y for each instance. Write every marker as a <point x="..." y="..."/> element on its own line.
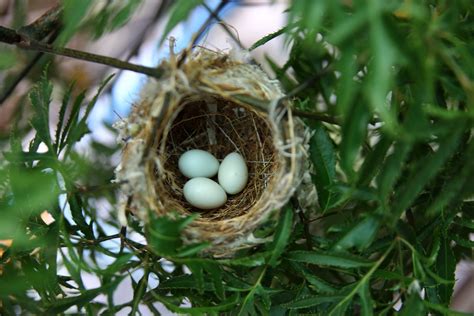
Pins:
<point x="227" y="110"/>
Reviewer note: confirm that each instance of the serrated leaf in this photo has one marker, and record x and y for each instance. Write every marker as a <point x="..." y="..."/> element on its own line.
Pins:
<point x="75" y="134"/>
<point x="40" y="98"/>
<point x="328" y="259"/>
<point x="323" y="158"/>
<point x="215" y="273"/>
<point x="282" y="235"/>
<point x="179" y="12"/>
<point x="269" y="37"/>
<point x="164" y="234"/>
<point x="61" y="117"/>
<point x="198" y="273"/>
<point x="71" y="121"/>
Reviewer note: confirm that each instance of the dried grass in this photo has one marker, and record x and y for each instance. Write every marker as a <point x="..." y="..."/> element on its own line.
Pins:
<point x="195" y="107"/>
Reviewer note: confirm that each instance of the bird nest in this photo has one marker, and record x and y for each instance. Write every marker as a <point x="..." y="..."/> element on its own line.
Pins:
<point x="201" y="105"/>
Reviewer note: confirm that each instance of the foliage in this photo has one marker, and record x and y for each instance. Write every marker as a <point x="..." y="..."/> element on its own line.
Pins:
<point x="393" y="175"/>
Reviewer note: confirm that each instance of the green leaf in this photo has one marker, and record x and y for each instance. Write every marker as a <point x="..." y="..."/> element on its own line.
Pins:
<point x="61" y="117"/>
<point x="412" y="306"/>
<point x="282" y="235"/>
<point x="179" y="12"/>
<point x="71" y="121"/>
<point x="124" y="14"/>
<point x="254" y="260"/>
<point x="455" y="184"/>
<point x="198" y="273"/>
<point x="443" y="309"/>
<point x="81" y="128"/>
<point x="7" y="59"/>
<point x="445" y="266"/>
<point x="392" y="169"/>
<point x="360" y="236"/>
<point x="320" y="285"/>
<point x="425" y="170"/>
<point x="312" y="301"/>
<point x="380" y="70"/>
<point x="164" y="234"/>
<point x="308" y="13"/>
<point x="40" y="98"/>
<point x="323" y="158"/>
<point x="328" y="259"/>
<point x="354" y="131"/>
<point x="366" y="302"/>
<point x="269" y="37"/>
<point x="139" y="291"/>
<point x="345" y="30"/>
<point x="223" y="306"/>
<point x="80" y="300"/>
<point x="373" y="162"/>
<point x="73" y="13"/>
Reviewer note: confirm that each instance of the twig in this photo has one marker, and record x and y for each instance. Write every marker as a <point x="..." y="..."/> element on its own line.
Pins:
<point x="44" y="25"/>
<point x="224" y="26"/>
<point x="13" y="83"/>
<point x="202" y="29"/>
<point x="12" y="37"/>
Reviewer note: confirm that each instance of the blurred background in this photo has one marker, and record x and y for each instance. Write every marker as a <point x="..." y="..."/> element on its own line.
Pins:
<point x="240" y="24"/>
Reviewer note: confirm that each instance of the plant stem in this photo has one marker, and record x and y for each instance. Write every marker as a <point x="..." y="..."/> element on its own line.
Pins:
<point x="364" y="279"/>
<point x="202" y="29"/>
<point x="12" y="37"/>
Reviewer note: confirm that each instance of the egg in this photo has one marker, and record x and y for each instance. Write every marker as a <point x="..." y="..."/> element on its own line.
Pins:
<point x="198" y="163"/>
<point x="233" y="173"/>
<point x="204" y="193"/>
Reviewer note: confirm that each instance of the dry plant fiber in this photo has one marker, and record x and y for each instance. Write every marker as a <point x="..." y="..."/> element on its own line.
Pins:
<point x="198" y="105"/>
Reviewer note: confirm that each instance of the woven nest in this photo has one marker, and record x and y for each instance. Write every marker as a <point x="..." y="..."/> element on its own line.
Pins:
<point x="199" y="106"/>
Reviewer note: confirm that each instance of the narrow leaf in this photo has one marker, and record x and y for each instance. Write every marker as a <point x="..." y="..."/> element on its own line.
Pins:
<point x="179" y="12"/>
<point x="329" y="259"/>
<point x="282" y="235"/>
<point x="324" y="162"/>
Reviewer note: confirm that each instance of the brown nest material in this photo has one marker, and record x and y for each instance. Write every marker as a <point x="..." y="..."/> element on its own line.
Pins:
<point x="199" y="106"/>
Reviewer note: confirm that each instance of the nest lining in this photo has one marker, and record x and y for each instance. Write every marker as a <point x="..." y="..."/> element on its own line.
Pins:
<point x="220" y="127"/>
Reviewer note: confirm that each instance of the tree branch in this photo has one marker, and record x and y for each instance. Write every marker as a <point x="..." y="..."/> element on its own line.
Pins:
<point x="12" y="37"/>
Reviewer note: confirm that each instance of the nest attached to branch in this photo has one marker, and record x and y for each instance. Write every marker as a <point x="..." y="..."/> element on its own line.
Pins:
<point x="199" y="105"/>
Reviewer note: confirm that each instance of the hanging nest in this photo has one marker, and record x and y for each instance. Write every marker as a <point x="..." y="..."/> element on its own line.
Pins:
<point x="200" y="105"/>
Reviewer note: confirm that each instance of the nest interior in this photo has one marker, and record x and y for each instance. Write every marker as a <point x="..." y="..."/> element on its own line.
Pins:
<point x="219" y="126"/>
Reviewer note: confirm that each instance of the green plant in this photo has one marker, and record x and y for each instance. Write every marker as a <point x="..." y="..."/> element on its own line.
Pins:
<point x="387" y="89"/>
